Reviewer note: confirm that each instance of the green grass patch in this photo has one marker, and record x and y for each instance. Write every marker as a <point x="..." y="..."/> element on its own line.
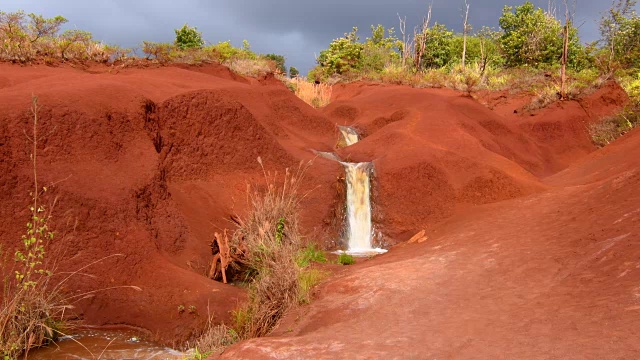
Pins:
<point x="308" y="279"/>
<point x="311" y="253"/>
<point x="346" y="259"/>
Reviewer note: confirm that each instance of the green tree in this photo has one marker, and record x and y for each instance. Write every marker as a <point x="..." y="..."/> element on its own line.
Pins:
<point x="620" y="30"/>
<point x="293" y="72"/>
<point x="70" y="39"/>
<point x="344" y="55"/>
<point x="533" y="37"/>
<point x="159" y="51"/>
<point x="188" y="37"/>
<point x="279" y="60"/>
<point x="380" y="50"/>
<point x="438" y="50"/>
<point x="40" y="27"/>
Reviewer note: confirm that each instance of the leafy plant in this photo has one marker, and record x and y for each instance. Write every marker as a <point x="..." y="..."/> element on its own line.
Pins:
<point x="73" y="40"/>
<point x="200" y="355"/>
<point x="310" y="254"/>
<point x="346" y="259"/>
<point x="611" y="128"/>
<point x="159" y="51"/>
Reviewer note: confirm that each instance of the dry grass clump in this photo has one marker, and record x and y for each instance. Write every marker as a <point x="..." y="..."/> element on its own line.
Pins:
<point x="316" y="95"/>
<point x="213" y="339"/>
<point x="612" y="127"/>
<point x="268" y="249"/>
<point x="270" y="239"/>
<point x="252" y="67"/>
<point x="32" y="314"/>
<point x="544" y="98"/>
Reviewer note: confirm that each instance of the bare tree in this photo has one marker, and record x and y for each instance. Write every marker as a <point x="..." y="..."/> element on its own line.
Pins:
<point x="551" y="10"/>
<point x="565" y="50"/>
<point x="465" y="30"/>
<point x="420" y="38"/>
<point x="405" y="43"/>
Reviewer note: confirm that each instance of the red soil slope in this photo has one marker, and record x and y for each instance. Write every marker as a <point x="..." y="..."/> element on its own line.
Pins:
<point x="439" y="152"/>
<point x="148" y="163"/>
<point x="551" y="275"/>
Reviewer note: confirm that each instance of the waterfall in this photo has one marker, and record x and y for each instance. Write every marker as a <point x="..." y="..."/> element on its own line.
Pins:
<point x="359" y="229"/>
<point x="349" y="135"/>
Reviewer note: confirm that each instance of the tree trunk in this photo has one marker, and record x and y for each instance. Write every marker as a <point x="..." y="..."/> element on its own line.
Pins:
<point x="464" y="36"/>
<point x="565" y="54"/>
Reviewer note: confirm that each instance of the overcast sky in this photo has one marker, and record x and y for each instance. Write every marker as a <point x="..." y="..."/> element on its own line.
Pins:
<point x="297" y="29"/>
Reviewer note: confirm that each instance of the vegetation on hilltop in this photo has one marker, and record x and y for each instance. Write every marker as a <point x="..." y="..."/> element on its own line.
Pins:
<point x="533" y="50"/>
<point x="32" y="38"/>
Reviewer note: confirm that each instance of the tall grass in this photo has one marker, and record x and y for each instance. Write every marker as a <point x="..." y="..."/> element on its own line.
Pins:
<point x="269" y="242"/>
<point x="316" y="95"/>
<point x="270" y="239"/>
<point x="31" y="313"/>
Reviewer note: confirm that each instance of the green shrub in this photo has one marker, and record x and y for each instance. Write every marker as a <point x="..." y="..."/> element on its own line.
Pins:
<point x="188" y="37"/>
<point x="159" y="51"/>
<point x="28" y="38"/>
<point x="346" y="259"/>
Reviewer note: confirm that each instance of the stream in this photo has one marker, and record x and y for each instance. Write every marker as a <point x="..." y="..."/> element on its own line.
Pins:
<point x="105" y="345"/>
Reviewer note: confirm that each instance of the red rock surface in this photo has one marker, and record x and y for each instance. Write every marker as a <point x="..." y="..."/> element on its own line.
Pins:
<point x="550" y="272"/>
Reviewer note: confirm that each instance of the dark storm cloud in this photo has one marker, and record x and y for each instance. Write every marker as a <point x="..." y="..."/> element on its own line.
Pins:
<point x="297" y="29"/>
